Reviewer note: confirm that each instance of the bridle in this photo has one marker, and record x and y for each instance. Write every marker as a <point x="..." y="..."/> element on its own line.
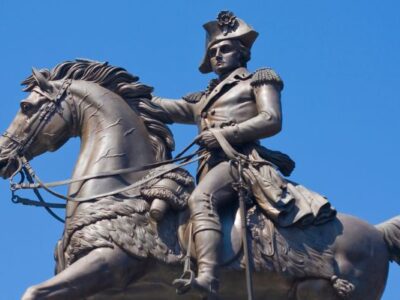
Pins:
<point x="40" y="120"/>
<point x="34" y="183"/>
<point x="23" y="144"/>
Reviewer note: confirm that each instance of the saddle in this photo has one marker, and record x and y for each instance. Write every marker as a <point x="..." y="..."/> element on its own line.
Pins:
<point x="298" y="252"/>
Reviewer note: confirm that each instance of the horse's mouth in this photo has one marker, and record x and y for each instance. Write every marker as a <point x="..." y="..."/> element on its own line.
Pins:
<point x="7" y="167"/>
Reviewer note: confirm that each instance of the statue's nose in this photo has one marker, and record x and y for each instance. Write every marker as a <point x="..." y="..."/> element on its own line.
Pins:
<point x="218" y="54"/>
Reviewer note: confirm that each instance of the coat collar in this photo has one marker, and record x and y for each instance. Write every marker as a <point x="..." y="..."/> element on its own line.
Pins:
<point x="237" y="75"/>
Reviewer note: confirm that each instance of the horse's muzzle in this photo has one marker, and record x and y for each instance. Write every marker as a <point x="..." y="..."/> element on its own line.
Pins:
<point x="8" y="166"/>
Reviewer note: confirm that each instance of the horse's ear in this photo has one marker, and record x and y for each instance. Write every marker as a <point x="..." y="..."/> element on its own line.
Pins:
<point x="42" y="81"/>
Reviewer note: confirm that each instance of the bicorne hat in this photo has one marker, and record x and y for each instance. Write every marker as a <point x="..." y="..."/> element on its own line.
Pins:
<point x="226" y="27"/>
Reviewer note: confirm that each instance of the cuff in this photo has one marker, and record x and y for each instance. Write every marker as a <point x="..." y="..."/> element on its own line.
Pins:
<point x="232" y="133"/>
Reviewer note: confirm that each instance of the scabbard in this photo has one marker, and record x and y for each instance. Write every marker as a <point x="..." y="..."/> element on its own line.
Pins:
<point x="246" y="250"/>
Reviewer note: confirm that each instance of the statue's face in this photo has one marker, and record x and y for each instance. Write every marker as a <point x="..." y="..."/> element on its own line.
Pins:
<point x="225" y="57"/>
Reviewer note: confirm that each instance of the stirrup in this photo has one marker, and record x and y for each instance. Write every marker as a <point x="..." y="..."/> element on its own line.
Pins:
<point x="184" y="283"/>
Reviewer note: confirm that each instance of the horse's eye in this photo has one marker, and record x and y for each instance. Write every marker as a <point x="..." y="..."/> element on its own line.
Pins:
<point x="26" y="107"/>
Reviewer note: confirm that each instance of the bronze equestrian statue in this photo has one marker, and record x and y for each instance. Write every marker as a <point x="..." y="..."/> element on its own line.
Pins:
<point x="113" y="248"/>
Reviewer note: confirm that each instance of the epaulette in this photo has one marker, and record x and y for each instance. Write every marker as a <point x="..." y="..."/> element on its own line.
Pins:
<point x="266" y="76"/>
<point x="193" y="97"/>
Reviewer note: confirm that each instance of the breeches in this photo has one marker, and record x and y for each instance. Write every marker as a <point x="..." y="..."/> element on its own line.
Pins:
<point x="213" y="191"/>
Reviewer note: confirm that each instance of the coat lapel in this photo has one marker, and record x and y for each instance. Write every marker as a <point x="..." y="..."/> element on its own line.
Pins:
<point x="234" y="77"/>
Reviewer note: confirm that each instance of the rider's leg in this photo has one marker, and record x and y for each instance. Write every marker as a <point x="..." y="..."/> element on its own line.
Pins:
<point x="101" y="269"/>
<point x="214" y="189"/>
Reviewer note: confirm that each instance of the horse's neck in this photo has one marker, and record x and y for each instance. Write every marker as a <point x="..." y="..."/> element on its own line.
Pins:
<point x="112" y="137"/>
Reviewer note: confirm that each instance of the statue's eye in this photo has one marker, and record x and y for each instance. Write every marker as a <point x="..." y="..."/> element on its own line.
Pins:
<point x="226" y="49"/>
<point x="212" y="52"/>
<point x="26" y="107"/>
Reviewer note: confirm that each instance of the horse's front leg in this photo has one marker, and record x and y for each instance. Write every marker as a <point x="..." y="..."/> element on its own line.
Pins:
<point x="101" y="269"/>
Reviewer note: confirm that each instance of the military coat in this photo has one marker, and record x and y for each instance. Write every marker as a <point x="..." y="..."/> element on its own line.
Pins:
<point x="244" y="106"/>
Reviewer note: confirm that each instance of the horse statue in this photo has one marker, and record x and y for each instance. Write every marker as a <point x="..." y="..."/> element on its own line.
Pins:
<point x="112" y="248"/>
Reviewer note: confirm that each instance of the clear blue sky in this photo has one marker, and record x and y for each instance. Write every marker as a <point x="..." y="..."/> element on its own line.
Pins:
<point x="339" y="60"/>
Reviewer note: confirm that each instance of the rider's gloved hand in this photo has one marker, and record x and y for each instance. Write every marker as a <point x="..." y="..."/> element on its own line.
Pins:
<point x="207" y="139"/>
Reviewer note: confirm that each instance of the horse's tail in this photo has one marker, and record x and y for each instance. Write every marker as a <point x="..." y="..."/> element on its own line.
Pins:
<point x="391" y="234"/>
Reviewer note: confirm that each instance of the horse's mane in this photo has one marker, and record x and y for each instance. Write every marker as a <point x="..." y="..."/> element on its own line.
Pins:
<point x="126" y="85"/>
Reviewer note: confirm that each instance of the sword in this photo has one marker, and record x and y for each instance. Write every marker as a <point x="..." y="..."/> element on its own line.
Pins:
<point x="243" y="216"/>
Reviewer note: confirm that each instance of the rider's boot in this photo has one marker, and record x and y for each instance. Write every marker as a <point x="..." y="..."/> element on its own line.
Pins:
<point x="206" y="245"/>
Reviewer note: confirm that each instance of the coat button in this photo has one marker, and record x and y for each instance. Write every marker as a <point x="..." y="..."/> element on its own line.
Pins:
<point x="212" y="112"/>
<point x="212" y="125"/>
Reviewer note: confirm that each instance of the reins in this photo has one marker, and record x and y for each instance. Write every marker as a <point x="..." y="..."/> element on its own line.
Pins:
<point x="26" y="171"/>
<point x="39" y="184"/>
<point x="47" y="186"/>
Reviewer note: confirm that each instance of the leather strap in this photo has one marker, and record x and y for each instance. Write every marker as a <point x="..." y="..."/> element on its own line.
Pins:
<point x="230" y="152"/>
<point x="102" y="174"/>
<point x="135" y="186"/>
<point x="234" y="155"/>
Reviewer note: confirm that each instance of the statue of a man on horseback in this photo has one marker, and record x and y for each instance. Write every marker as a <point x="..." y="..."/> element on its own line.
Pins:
<point x="237" y="109"/>
<point x="112" y="247"/>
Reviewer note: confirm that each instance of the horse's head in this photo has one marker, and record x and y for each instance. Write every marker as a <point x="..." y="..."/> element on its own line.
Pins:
<point x="56" y="110"/>
<point x="41" y="124"/>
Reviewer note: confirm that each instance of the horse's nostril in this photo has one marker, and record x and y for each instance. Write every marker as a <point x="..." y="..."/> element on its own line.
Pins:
<point x="8" y="166"/>
<point x="3" y="163"/>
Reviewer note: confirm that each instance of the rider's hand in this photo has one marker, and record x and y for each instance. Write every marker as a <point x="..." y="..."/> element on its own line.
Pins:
<point x="207" y="139"/>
